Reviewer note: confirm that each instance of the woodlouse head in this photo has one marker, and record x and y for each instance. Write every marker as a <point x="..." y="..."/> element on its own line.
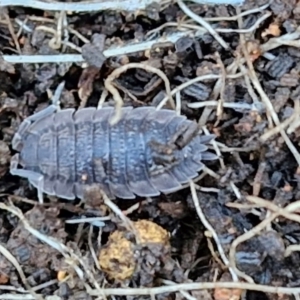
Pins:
<point x="25" y="145"/>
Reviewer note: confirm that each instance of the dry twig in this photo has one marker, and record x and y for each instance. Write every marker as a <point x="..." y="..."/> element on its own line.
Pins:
<point x="230" y="70"/>
<point x="196" y="286"/>
<point x="256" y="186"/>
<point x="264" y="97"/>
<point x="296" y="122"/>
<point x="276" y="211"/>
<point x="203" y="30"/>
<point x="288" y="39"/>
<point x="16" y="264"/>
<point x="202" y="22"/>
<point x="128" y="48"/>
<point x="118" y="212"/>
<point x="234" y="105"/>
<point x="288" y="122"/>
<point x="84" y="6"/>
<point x="212" y="231"/>
<point x="70" y="257"/>
<point x="194" y="80"/>
<point x="244" y="13"/>
<point x="117" y="72"/>
<point x="12" y="32"/>
<point x="222" y="91"/>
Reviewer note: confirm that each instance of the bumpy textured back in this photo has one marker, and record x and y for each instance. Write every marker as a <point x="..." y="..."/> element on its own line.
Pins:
<point x="146" y="153"/>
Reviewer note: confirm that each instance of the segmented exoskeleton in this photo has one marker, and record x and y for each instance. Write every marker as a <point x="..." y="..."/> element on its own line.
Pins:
<point x="146" y="153"/>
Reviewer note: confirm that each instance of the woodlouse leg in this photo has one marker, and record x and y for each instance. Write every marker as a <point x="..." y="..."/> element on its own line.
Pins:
<point x="57" y="94"/>
<point x="163" y="159"/>
<point x="205" y="139"/>
<point x="34" y="178"/>
<point x="41" y="114"/>
<point x="17" y="139"/>
<point x="102" y="99"/>
<point x="164" y="163"/>
<point x="55" y="106"/>
<point x="40" y="185"/>
<point x="164" y="149"/>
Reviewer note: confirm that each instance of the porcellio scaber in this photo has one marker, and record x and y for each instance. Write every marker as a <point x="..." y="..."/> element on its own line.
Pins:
<point x="148" y="152"/>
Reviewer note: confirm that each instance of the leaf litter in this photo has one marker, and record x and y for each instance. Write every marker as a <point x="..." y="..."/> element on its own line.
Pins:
<point x="233" y="232"/>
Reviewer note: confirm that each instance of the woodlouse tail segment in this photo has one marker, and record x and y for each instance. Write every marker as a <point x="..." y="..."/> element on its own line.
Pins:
<point x="206" y="155"/>
<point x="209" y="156"/>
<point x="180" y="159"/>
<point x="206" y="139"/>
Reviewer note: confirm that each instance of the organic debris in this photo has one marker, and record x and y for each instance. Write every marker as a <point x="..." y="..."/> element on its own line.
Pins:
<point x="232" y="233"/>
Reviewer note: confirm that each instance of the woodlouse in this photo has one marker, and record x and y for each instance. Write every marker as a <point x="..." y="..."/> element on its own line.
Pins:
<point x="146" y="153"/>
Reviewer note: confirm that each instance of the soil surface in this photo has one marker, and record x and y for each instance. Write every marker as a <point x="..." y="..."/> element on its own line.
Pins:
<point x="251" y="58"/>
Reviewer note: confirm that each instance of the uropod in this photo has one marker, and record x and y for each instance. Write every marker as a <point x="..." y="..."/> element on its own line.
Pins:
<point x="146" y="153"/>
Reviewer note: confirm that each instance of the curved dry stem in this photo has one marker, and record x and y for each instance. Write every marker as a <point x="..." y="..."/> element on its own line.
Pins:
<point x="203" y="23"/>
<point x="117" y="72"/>
<point x="84" y="6"/>
<point x="129" y="225"/>
<point x="203" y="30"/>
<point x="290" y="249"/>
<point x="196" y="286"/>
<point x="212" y="231"/>
<point x="244" y="237"/>
<point x="292" y="122"/>
<point x="70" y="257"/>
<point x="16" y="264"/>
<point x="128" y="48"/>
<point x="264" y="97"/>
<point x="286" y="212"/>
<point x="276" y="211"/>
<point x="192" y="81"/>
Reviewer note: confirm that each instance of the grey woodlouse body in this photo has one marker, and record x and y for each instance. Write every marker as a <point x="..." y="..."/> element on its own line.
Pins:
<point x="146" y="153"/>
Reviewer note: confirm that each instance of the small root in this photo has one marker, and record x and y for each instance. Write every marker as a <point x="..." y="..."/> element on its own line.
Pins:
<point x="115" y="93"/>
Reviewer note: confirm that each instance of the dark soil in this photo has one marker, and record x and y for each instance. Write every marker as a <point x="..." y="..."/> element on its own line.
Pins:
<point x="252" y="167"/>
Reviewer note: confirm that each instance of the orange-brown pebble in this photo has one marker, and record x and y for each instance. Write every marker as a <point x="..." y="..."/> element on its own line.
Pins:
<point x="116" y="258"/>
<point x="61" y="275"/>
<point x="3" y="279"/>
<point x="150" y="232"/>
<point x="227" y="294"/>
